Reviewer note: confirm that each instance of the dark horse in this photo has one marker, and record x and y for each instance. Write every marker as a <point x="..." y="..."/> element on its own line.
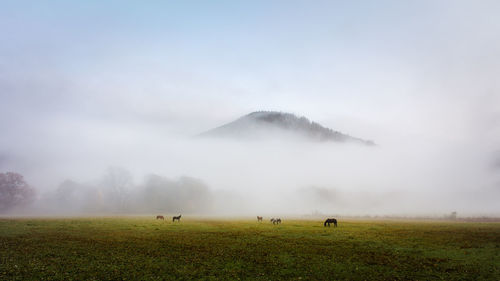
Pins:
<point x="276" y="221"/>
<point x="328" y="221"/>
<point x="178" y="218"/>
<point x="259" y="218"/>
<point x="160" y="218"/>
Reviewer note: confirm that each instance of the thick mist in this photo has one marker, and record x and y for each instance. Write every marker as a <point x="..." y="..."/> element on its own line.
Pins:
<point x="285" y="176"/>
<point x="101" y="105"/>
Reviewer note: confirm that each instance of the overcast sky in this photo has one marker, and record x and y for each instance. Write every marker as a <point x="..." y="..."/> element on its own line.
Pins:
<point x="112" y="72"/>
<point x="418" y="68"/>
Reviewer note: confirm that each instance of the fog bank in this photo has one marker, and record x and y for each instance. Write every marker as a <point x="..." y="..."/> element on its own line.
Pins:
<point x="281" y="176"/>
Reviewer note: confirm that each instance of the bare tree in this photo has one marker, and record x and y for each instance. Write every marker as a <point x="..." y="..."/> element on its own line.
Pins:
<point x="14" y="191"/>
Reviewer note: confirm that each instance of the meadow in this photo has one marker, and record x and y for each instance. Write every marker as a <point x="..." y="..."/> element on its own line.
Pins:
<point x="142" y="248"/>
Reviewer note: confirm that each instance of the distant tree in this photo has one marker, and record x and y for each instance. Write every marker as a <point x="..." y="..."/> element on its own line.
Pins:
<point x="453" y="216"/>
<point x="186" y="194"/>
<point x="159" y="194"/>
<point x="66" y="190"/>
<point x="116" y="184"/>
<point x="69" y="196"/>
<point x="194" y="194"/>
<point x="14" y="191"/>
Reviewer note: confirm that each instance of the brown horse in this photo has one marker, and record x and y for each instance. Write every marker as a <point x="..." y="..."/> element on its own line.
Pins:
<point x="178" y="218"/>
<point x="160" y="218"/>
<point x="259" y="218"/>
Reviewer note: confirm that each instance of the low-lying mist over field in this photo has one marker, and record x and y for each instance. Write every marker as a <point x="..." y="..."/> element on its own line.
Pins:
<point x="160" y="173"/>
<point x="116" y="115"/>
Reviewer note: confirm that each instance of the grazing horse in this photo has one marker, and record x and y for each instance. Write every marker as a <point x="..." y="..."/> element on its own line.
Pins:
<point x="178" y="218"/>
<point x="275" y="221"/>
<point x="160" y="218"/>
<point x="259" y="218"/>
<point x="328" y="221"/>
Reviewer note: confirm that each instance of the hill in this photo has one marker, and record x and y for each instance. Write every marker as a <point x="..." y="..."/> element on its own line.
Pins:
<point x="272" y="125"/>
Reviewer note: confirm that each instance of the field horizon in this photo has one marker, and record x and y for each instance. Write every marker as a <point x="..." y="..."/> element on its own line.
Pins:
<point x="304" y="217"/>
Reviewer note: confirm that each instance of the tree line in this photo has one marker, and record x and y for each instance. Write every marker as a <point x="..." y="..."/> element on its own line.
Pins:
<point x="114" y="192"/>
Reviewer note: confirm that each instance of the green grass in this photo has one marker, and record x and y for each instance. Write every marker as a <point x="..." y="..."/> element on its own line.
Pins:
<point x="144" y="248"/>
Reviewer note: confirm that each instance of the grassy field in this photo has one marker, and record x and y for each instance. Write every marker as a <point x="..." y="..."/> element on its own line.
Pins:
<point x="143" y="248"/>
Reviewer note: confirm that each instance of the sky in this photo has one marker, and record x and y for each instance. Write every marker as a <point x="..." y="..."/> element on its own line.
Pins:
<point x="108" y="80"/>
